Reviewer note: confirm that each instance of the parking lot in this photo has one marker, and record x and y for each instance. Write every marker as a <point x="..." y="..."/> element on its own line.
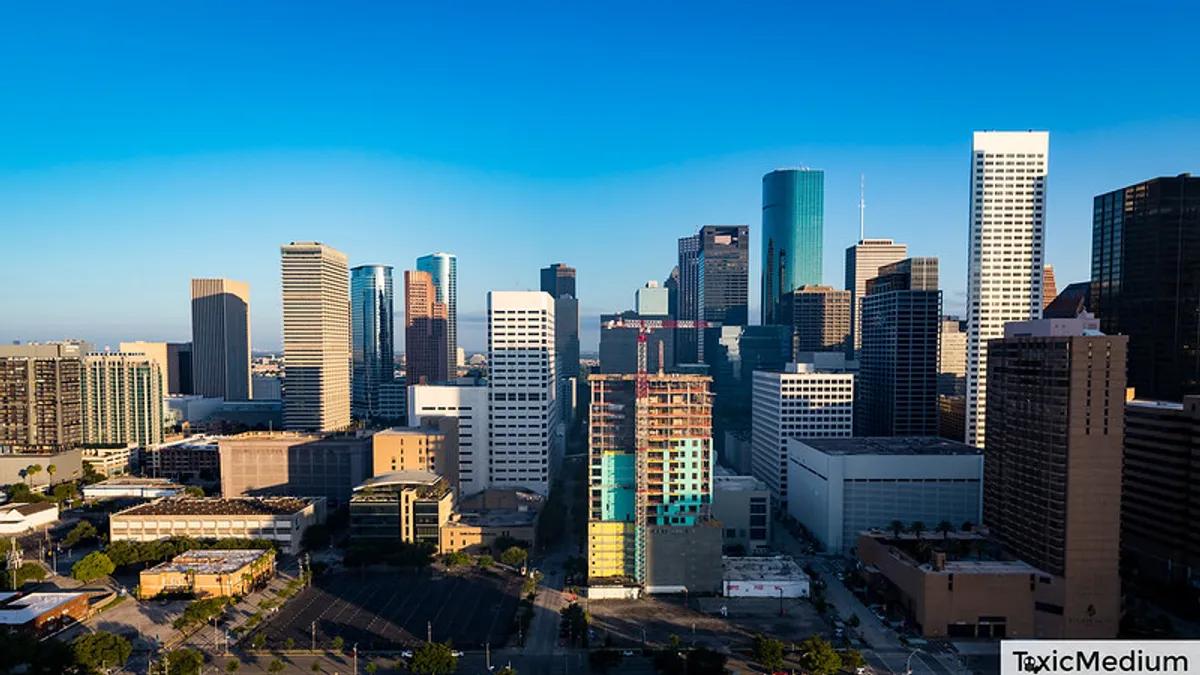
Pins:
<point x="701" y="621"/>
<point x="390" y="611"/>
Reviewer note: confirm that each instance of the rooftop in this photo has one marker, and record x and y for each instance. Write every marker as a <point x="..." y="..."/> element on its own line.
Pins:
<point x="189" y="506"/>
<point x="497" y="518"/>
<point x="738" y="483"/>
<point x="18" y="611"/>
<point x="773" y="568"/>
<point x="28" y="509"/>
<point x="210" y="561"/>
<point x="131" y="481"/>
<point x="415" y="478"/>
<point x="882" y="445"/>
<point x="1157" y="405"/>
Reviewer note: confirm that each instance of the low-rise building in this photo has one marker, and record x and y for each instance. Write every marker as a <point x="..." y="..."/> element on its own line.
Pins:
<point x="209" y="573"/>
<point x="764" y="577"/>
<point x="41" y="613"/>
<point x="408" y="506"/>
<point x="194" y="457"/>
<point x="130" y="487"/>
<point x="478" y="532"/>
<point x="18" y="518"/>
<point x="965" y="598"/>
<point x="260" y="463"/>
<point x="16" y="467"/>
<point x="111" y="460"/>
<point x="839" y="487"/>
<point x="742" y="504"/>
<point x="423" y="448"/>
<point x="683" y="558"/>
<point x="279" y="519"/>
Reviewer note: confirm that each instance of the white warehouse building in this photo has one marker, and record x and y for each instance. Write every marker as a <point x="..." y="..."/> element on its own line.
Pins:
<point x="842" y="486"/>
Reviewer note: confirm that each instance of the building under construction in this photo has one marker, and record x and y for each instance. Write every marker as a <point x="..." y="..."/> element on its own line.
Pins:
<point x="651" y="466"/>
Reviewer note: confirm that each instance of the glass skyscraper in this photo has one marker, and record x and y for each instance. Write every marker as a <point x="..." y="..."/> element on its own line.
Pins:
<point x="372" y="335"/>
<point x="793" y="221"/>
<point x="443" y="267"/>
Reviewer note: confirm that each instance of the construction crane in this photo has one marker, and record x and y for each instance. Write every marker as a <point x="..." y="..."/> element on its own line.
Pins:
<point x="642" y="421"/>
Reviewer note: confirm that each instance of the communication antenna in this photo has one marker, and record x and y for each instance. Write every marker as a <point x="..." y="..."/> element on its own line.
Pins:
<point x="862" y="206"/>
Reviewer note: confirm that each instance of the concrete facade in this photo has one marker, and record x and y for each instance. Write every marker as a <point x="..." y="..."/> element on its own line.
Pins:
<point x="220" y="339"/>
<point x="257" y="464"/>
<point x="279" y="519"/>
<point x="468" y="405"/>
<point x="209" y="573"/>
<point x="408" y="506"/>
<point x="41" y="408"/>
<point x="863" y="261"/>
<point x="684" y="557"/>
<point x="122" y="399"/>
<point x="742" y="505"/>
<point x="68" y="465"/>
<point x="424" y="448"/>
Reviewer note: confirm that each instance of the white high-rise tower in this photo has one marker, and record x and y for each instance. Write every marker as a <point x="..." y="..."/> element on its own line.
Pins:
<point x="524" y="407"/>
<point x="316" y="337"/>
<point x="1004" y="277"/>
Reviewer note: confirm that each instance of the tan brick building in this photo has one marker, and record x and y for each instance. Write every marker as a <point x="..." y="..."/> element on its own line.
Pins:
<point x="209" y="573"/>
<point x="259" y="463"/>
<point x="280" y="519"/>
<point x="433" y="446"/>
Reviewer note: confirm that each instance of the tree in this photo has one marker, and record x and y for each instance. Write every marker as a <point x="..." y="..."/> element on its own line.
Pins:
<point x="818" y="656"/>
<point x="94" y="566"/>
<point x="100" y="651"/>
<point x="704" y="661"/>
<point x="767" y="652"/>
<point x="199" y="612"/>
<point x="917" y="528"/>
<point x="259" y="641"/>
<point x="852" y="659"/>
<point x="316" y="666"/>
<point x="64" y="492"/>
<point x="433" y="658"/>
<point x="507" y="670"/>
<point x="193" y="491"/>
<point x="853" y="621"/>
<point x="576" y="620"/>
<point x="514" y="556"/>
<point x="179" y="662"/>
<point x="90" y="475"/>
<point x="289" y="644"/>
<point x="485" y="560"/>
<point x="276" y="666"/>
<point x="945" y="528"/>
<point x="897" y="528"/>
<point x="966" y="526"/>
<point x="316" y="538"/>
<point x="457" y="558"/>
<point x="84" y="531"/>
<point x="233" y="666"/>
<point x="371" y="668"/>
<point x="32" y="470"/>
<point x="51" y="470"/>
<point x="338" y="643"/>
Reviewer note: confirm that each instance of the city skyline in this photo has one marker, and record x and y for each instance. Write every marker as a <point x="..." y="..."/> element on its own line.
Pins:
<point x="385" y="187"/>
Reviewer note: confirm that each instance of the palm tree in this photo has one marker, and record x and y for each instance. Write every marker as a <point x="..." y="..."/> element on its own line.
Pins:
<point x="33" y="470"/>
<point x="917" y="528"/>
<point x="945" y="527"/>
<point x="896" y="527"/>
<point x="51" y="470"/>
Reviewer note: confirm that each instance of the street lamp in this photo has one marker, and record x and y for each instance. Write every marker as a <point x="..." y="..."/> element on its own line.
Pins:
<point x="908" y="664"/>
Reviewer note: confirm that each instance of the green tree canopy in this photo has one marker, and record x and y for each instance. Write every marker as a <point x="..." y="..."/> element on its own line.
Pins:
<point x="819" y="657"/>
<point x="84" y="531"/>
<point x="94" y="566"/>
<point x="514" y="556"/>
<point x="28" y="571"/>
<point x="232" y="666"/>
<point x="457" y="558"/>
<point x="179" y="662"/>
<point x="485" y="560"/>
<point x="198" y="612"/>
<point x="433" y="658"/>
<point x="338" y="643"/>
<point x="276" y="666"/>
<point x="64" y="492"/>
<point x="101" y="650"/>
<point x="852" y="659"/>
<point x="767" y="652"/>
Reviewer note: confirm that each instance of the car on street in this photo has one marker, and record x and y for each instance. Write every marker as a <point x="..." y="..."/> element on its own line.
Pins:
<point x="627" y="652"/>
<point x="455" y="653"/>
<point x="406" y="653"/>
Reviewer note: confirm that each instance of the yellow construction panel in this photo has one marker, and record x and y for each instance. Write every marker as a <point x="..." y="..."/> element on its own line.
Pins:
<point x="610" y="548"/>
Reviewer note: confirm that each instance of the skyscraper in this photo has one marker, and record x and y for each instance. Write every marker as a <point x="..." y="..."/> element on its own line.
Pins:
<point x="819" y="317"/>
<point x="952" y="378"/>
<point x="316" y="337"/>
<point x="41" y="407"/>
<point x="724" y="268"/>
<point x="523" y="389"/>
<point x="122" y="399"/>
<point x="1052" y="466"/>
<point x="443" y="267"/>
<point x="793" y="222"/>
<point x="1049" y="286"/>
<point x="1004" y="274"/>
<point x="1146" y="281"/>
<point x="425" y="326"/>
<point x="558" y="280"/>
<point x="897" y="392"/>
<point x="372" y="332"/>
<point x="863" y="261"/>
<point x="687" y="340"/>
<point x="221" y="338"/>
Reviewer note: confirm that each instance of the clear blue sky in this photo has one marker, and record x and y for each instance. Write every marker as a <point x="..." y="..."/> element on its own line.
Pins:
<point x="145" y="143"/>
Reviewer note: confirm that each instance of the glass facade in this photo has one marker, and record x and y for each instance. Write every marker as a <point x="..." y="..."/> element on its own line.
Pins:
<point x="443" y="267"/>
<point x="793" y="223"/>
<point x="372" y="336"/>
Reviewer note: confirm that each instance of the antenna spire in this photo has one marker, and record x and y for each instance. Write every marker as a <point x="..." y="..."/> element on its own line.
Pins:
<point x="862" y="206"/>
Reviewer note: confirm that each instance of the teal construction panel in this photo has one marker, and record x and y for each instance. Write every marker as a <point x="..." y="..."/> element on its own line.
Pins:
<point x="618" y="474"/>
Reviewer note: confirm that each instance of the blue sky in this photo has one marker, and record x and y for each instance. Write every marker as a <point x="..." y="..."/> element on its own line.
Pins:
<point x="144" y="143"/>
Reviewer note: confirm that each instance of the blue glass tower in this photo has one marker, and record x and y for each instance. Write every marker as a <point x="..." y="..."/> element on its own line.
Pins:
<point x="793" y="223"/>
<point x="443" y="267"/>
<point x="372" y="337"/>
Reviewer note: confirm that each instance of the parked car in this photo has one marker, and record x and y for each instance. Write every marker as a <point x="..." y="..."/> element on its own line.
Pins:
<point x="406" y="653"/>
<point x="627" y="652"/>
<point x="455" y="653"/>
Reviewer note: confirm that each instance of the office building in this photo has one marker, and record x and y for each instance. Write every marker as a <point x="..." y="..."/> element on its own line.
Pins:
<point x="316" y="337"/>
<point x="1074" y="300"/>
<point x="393" y="402"/>
<point x="897" y="393"/>
<point x="863" y="261"/>
<point x="1160" y="493"/>
<point x="793" y="225"/>
<point x="742" y="505"/>
<point x="801" y="402"/>
<point x="1146" y="281"/>
<point x="372" y="338"/>
<point x="443" y="269"/>
<point x="485" y="531"/>
<point x="185" y="459"/>
<point x="652" y="300"/>
<point x="433" y="447"/>
<point x="1049" y="286"/>
<point x="279" y="519"/>
<point x="952" y="378"/>
<point x="664" y="484"/>
<point x="558" y="280"/>
<point x="619" y="345"/>
<point x="111" y="460"/>
<point x="259" y="463"/>
<point x="205" y="573"/>
<point x="41" y="397"/>
<point x="523" y="388"/>
<point x="839" y="487"/>
<point x="468" y="407"/>
<point x="174" y="359"/>
<point x="266" y="388"/>
<point x="401" y="506"/>
<point x="819" y="317"/>
<point x="734" y="353"/>
<point x="220" y="339"/>
<point x="724" y="267"/>
<point x="425" y="328"/>
<point x="122" y="399"/>
<point x="688" y="300"/>
<point x="42" y="614"/>
<point x="1052" y="464"/>
<point x="1004" y="274"/>
<point x="129" y="487"/>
